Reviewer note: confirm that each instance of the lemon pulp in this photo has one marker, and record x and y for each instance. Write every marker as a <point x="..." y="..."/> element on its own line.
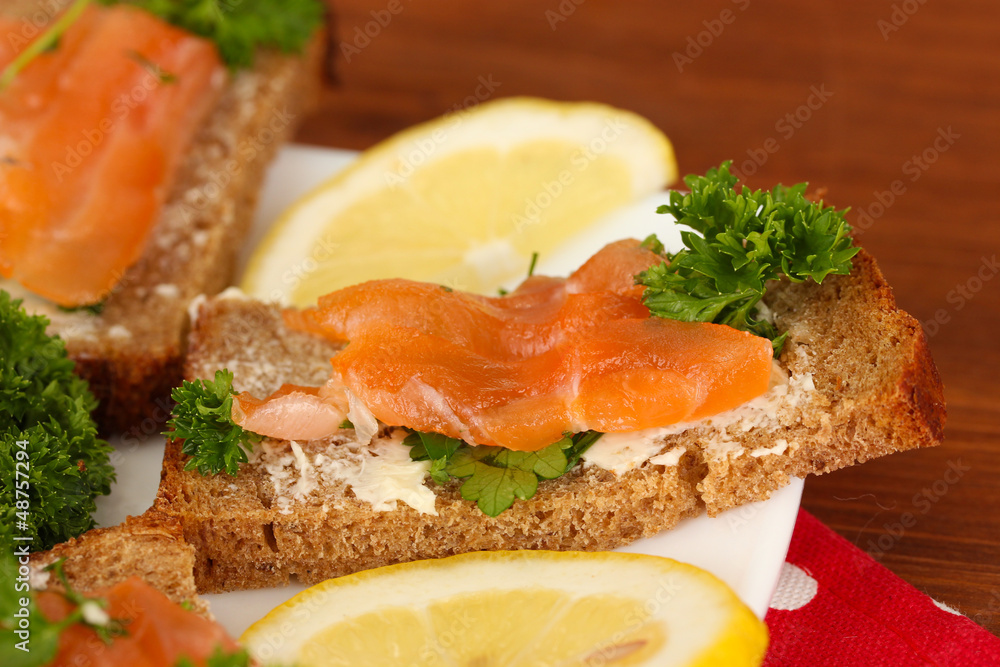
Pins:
<point x="516" y="609"/>
<point x="463" y="200"/>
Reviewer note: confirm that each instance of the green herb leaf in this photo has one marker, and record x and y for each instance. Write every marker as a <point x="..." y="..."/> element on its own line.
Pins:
<point x="652" y="242"/>
<point x="740" y="241"/>
<point x="203" y="419"/>
<point x="92" y="308"/>
<point x="52" y="464"/>
<point x="439" y="446"/>
<point x="578" y="445"/>
<point x="45" y="43"/>
<point x="547" y="463"/>
<point x="495" y="476"/>
<point x="240" y="28"/>
<point x="220" y="658"/>
<point x="531" y="267"/>
<point x="494" y="488"/>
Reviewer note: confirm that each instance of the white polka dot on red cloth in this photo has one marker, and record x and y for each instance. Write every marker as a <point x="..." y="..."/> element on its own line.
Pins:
<point x="944" y="607"/>
<point x="795" y="589"/>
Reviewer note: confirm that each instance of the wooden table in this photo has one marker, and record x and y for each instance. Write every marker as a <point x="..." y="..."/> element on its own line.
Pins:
<point x="894" y="107"/>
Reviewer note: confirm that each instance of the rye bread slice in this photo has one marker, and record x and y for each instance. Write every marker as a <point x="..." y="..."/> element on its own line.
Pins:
<point x="863" y="385"/>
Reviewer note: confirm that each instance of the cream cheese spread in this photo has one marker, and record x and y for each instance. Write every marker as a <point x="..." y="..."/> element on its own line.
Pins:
<point x="379" y="473"/>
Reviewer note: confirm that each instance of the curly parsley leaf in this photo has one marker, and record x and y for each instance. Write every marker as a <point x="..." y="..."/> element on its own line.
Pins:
<point x="740" y="241"/>
<point x="52" y="464"/>
<point x="203" y="418"/>
<point x="239" y="28"/>
<point x="495" y="476"/>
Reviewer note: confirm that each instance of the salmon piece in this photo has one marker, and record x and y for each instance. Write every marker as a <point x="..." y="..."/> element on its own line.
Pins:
<point x="614" y="268"/>
<point x="617" y="376"/>
<point x="514" y="326"/>
<point x="159" y="631"/>
<point x="525" y="322"/>
<point x="292" y="412"/>
<point x="91" y="138"/>
<point x="520" y="371"/>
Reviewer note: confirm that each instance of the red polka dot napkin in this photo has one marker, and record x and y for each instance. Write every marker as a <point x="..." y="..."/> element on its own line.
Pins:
<point x="834" y="605"/>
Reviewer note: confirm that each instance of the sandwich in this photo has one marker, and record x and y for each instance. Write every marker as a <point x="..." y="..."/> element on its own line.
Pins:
<point x="312" y="443"/>
<point x="133" y="192"/>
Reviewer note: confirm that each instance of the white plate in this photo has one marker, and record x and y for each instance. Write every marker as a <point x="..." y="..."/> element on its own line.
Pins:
<point x="744" y="547"/>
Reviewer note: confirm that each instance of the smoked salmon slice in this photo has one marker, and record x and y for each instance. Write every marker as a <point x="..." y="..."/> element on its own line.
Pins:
<point x="91" y="137"/>
<point x="617" y="376"/>
<point x="520" y="371"/>
<point x="527" y="321"/>
<point x="159" y="631"/>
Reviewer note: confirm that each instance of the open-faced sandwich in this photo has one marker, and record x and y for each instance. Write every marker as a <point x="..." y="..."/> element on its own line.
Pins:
<point x="398" y="420"/>
<point x="133" y="140"/>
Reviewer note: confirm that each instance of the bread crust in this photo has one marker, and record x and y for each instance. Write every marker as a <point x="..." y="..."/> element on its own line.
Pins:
<point x="132" y="352"/>
<point x="876" y="391"/>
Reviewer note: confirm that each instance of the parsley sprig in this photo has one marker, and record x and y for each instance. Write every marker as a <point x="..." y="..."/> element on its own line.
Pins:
<point x="203" y="418"/>
<point x="495" y="476"/>
<point x="740" y="241"/>
<point x="52" y="464"/>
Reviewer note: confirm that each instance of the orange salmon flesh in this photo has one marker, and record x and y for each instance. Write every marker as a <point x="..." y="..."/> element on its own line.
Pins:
<point x="553" y="357"/>
<point x="158" y="631"/>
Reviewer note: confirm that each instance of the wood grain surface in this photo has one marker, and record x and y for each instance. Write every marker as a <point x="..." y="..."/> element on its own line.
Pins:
<point x="892" y="106"/>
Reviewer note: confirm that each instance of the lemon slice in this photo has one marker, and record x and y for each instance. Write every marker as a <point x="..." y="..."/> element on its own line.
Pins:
<point x="462" y="200"/>
<point x="515" y="609"/>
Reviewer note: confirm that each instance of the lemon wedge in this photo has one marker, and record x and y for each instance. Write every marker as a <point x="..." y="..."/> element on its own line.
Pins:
<point x="515" y="609"/>
<point x="462" y="200"/>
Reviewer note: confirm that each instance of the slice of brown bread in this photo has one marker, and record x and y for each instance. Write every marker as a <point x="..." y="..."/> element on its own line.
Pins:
<point x="150" y="546"/>
<point x="131" y="353"/>
<point x="862" y="385"/>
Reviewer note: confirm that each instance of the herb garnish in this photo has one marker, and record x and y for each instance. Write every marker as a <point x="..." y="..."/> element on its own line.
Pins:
<point x="52" y="464"/>
<point x="743" y="240"/>
<point x="203" y="417"/>
<point x="495" y="476"/>
<point x="91" y="308"/>
<point x="47" y="42"/>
